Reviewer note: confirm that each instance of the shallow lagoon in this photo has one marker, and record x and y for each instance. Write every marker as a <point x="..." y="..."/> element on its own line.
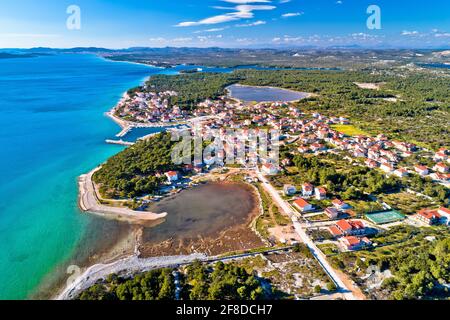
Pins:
<point x="263" y="94"/>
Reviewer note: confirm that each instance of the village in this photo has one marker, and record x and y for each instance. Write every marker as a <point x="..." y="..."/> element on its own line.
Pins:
<point x="330" y="221"/>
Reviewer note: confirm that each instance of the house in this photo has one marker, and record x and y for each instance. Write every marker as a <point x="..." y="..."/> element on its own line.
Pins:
<point x="340" y="205"/>
<point x="387" y="167"/>
<point x="445" y="213"/>
<point x="371" y="163"/>
<point x="269" y="169"/>
<point x="355" y="243"/>
<point x="303" y="205"/>
<point x="402" y="172"/>
<point x="172" y="176"/>
<point x="440" y="176"/>
<point x="430" y="217"/>
<point x="441" y="167"/>
<point x="331" y="212"/>
<point x="422" y="170"/>
<point x="307" y="190"/>
<point x="289" y="190"/>
<point x="350" y="227"/>
<point x="321" y="193"/>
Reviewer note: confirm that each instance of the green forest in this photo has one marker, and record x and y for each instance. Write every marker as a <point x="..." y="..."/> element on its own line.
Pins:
<point x="133" y="172"/>
<point x="197" y="282"/>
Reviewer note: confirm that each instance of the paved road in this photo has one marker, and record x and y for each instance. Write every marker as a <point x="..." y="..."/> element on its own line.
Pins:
<point x="306" y="239"/>
<point x="88" y="202"/>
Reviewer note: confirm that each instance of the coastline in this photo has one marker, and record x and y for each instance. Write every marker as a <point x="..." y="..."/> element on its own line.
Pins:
<point x="88" y="202"/>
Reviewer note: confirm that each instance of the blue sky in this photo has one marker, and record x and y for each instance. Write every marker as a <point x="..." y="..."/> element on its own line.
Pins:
<point x="224" y="23"/>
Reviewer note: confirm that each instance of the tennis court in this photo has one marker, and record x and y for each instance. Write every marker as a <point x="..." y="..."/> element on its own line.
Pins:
<point x="385" y="216"/>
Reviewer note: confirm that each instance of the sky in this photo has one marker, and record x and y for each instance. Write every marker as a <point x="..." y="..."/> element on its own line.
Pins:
<point x="224" y="23"/>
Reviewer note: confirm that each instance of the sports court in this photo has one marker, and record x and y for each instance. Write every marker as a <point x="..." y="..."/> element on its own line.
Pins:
<point x="384" y="217"/>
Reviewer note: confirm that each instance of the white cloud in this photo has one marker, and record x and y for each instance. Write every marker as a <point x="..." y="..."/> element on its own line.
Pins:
<point x="409" y="33"/>
<point x="292" y="14"/>
<point x="29" y="35"/>
<point x="243" y="11"/>
<point x="246" y="1"/>
<point x="252" y="24"/>
<point x="442" y="35"/>
<point x="210" y="30"/>
<point x="285" y="1"/>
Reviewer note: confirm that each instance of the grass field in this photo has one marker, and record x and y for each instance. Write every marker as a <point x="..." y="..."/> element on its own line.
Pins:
<point x="349" y="130"/>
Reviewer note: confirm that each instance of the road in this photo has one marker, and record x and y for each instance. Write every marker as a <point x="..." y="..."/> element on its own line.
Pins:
<point x="88" y="202"/>
<point x="299" y="228"/>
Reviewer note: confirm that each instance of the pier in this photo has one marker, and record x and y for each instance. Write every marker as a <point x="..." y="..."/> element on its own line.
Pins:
<point x="119" y="142"/>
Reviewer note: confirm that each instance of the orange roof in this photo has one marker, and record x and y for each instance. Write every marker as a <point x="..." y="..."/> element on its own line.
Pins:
<point x="445" y="210"/>
<point x="301" y="203"/>
<point x="351" y="240"/>
<point x="344" y="225"/>
<point x="429" y="214"/>
<point x="335" y="231"/>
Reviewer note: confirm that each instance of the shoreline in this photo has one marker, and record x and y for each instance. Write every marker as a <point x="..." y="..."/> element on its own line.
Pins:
<point x="88" y="202"/>
<point x="124" y="267"/>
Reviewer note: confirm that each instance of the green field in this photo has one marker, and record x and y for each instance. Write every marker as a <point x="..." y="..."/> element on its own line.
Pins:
<point x="385" y="217"/>
<point x="349" y="130"/>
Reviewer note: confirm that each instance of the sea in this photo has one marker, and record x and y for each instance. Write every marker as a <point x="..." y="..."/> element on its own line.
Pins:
<point x="52" y="129"/>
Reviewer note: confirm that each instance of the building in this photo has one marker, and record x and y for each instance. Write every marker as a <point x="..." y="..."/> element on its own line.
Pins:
<point x="321" y="193"/>
<point x="445" y="213"/>
<point x="429" y="217"/>
<point x="269" y="169"/>
<point x="172" y="176"/>
<point x="441" y="167"/>
<point x="340" y="205"/>
<point x="303" y="205"/>
<point x="387" y="167"/>
<point x="331" y="212"/>
<point x="289" y="190"/>
<point x="422" y="170"/>
<point x="307" y="190"/>
<point x="355" y="243"/>
<point x="350" y="227"/>
<point x="401" y="173"/>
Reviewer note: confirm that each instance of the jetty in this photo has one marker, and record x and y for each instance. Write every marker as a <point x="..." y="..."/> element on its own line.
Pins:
<point x="119" y="142"/>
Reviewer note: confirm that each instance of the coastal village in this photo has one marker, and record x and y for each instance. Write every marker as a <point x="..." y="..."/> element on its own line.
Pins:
<point x="311" y="213"/>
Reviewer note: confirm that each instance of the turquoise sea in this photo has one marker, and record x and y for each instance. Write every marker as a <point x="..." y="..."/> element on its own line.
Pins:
<point x="52" y="129"/>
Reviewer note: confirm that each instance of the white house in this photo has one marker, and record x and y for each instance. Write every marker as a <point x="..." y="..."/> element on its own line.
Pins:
<point x="402" y="172"/>
<point x="321" y="193"/>
<point x="340" y="205"/>
<point x="303" y="205"/>
<point x="172" y="176"/>
<point x="269" y="169"/>
<point x="441" y="167"/>
<point x="422" y="170"/>
<point x="307" y="190"/>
